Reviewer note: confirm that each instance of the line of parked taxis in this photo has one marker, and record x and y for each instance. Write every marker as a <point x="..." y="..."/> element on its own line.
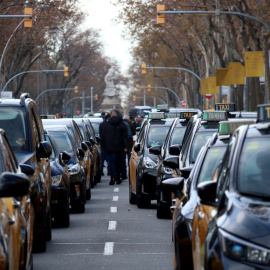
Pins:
<point x="47" y="167"/>
<point x="209" y="171"/>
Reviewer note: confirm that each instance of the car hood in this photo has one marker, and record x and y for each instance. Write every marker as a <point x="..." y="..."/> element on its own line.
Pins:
<point x="247" y="218"/>
<point x="25" y="157"/>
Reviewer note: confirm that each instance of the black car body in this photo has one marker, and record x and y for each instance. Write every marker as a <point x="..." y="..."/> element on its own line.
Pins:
<point x="142" y="167"/>
<point x="60" y="184"/>
<point x="238" y="235"/>
<point x="24" y="130"/>
<point x="66" y="143"/>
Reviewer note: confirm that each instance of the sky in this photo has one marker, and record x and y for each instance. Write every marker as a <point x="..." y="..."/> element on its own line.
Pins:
<point x="101" y="15"/>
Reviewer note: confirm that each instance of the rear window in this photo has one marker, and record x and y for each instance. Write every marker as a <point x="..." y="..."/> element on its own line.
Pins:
<point x="63" y="141"/>
<point x="198" y="142"/>
<point x="254" y="168"/>
<point x="157" y="135"/>
<point x="177" y="136"/>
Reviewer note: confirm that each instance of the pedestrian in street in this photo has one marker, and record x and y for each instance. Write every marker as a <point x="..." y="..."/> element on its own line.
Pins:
<point x="104" y="154"/>
<point x="126" y="119"/>
<point x="114" y="139"/>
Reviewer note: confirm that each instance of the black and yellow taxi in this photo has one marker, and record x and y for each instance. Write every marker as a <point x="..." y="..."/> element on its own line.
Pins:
<point x="204" y="168"/>
<point x="21" y="121"/>
<point x="66" y="144"/>
<point x="142" y="166"/>
<point x="16" y="211"/>
<point x="172" y="143"/>
<point x="231" y="223"/>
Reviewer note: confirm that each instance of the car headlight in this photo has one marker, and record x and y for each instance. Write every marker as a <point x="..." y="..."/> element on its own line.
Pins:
<point x="168" y="170"/>
<point x="239" y="249"/>
<point x="149" y="163"/>
<point x="74" y="169"/>
<point x="57" y="180"/>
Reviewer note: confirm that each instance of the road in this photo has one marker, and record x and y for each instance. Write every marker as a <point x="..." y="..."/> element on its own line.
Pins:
<point x="111" y="234"/>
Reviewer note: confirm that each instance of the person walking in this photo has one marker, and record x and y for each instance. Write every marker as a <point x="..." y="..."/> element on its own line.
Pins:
<point x="114" y="140"/>
<point x="126" y="119"/>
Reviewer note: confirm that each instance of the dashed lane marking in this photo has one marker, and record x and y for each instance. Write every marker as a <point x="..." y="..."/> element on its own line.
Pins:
<point x="112" y="225"/>
<point x="115" y="198"/>
<point x="108" y="249"/>
<point x="116" y="189"/>
<point x="113" y="209"/>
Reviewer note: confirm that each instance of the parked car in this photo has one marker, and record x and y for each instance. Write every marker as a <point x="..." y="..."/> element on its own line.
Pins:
<point x="21" y="121"/>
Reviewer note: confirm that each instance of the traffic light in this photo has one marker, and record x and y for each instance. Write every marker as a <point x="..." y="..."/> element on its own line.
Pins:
<point x="76" y="89"/>
<point x="96" y="96"/>
<point x="149" y="88"/>
<point x="66" y="72"/>
<point x="28" y="20"/>
<point x="137" y="87"/>
<point x="134" y="98"/>
<point x="143" y="68"/>
<point x="160" y="17"/>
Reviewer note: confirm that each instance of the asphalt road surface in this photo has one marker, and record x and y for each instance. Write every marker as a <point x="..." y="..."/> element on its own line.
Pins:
<point x="111" y="234"/>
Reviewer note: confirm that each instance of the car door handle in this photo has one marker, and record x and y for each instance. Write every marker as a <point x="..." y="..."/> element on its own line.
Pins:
<point x="200" y="215"/>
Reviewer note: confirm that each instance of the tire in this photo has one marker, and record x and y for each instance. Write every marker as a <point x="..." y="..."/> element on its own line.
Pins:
<point x="132" y="196"/>
<point x="49" y="226"/>
<point x="62" y="220"/>
<point x="92" y="181"/>
<point x="39" y="244"/>
<point x="141" y="202"/>
<point x="88" y="194"/>
<point x="161" y="211"/>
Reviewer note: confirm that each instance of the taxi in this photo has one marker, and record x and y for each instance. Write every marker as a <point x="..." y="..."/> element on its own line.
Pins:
<point x="208" y="160"/>
<point x="142" y="166"/>
<point x="171" y="147"/>
<point x="231" y="223"/>
<point x="16" y="211"/>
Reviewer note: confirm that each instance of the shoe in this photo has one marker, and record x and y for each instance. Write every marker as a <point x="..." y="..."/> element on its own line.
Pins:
<point x="118" y="182"/>
<point x="112" y="182"/>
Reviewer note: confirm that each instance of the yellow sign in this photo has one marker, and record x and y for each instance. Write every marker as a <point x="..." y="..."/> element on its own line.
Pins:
<point x="236" y="73"/>
<point x="254" y="64"/>
<point x="204" y="86"/>
<point x="212" y="86"/>
<point x="222" y="76"/>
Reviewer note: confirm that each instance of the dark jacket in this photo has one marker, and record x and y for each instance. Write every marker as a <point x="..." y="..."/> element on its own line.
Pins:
<point x="132" y="127"/>
<point x="101" y="129"/>
<point x="114" y="135"/>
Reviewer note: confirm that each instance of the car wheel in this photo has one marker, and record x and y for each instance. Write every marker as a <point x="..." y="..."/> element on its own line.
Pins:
<point x="141" y="202"/>
<point x="39" y="243"/>
<point x="88" y="194"/>
<point x="162" y="212"/>
<point x="132" y="196"/>
<point x="49" y="226"/>
<point x="62" y="220"/>
<point x="92" y="181"/>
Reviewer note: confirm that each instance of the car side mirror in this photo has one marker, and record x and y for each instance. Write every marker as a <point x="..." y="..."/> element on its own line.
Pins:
<point x="155" y="150"/>
<point x="137" y="147"/>
<point x="175" y="150"/>
<point x="92" y="141"/>
<point x="171" y="162"/>
<point x="186" y="171"/>
<point x="98" y="139"/>
<point x="14" y="184"/>
<point x="84" y="146"/>
<point x="45" y="149"/>
<point x="65" y="157"/>
<point x="27" y="169"/>
<point x="80" y="154"/>
<point x="138" y="129"/>
<point x="174" y="185"/>
<point x="207" y="193"/>
<point x="89" y="144"/>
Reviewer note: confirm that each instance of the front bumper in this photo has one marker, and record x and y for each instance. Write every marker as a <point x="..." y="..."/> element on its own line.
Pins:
<point x="76" y="189"/>
<point x="60" y="200"/>
<point x="148" y="184"/>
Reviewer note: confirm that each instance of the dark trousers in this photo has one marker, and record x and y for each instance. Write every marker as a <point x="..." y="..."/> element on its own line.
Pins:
<point x="114" y="164"/>
<point x="124" y="166"/>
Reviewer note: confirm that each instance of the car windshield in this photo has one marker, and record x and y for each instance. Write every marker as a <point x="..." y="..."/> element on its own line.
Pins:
<point x="52" y="156"/>
<point x="81" y="130"/>
<point x="157" y="135"/>
<point x="178" y="135"/>
<point x="12" y="120"/>
<point x="253" y="168"/>
<point x="213" y="157"/>
<point x="198" y="142"/>
<point x="96" y="127"/>
<point x="63" y="141"/>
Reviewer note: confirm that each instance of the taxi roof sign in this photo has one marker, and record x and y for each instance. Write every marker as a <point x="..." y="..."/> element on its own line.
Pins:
<point x="156" y="115"/>
<point x="163" y="107"/>
<point x="187" y="115"/>
<point x="214" y="116"/>
<point x="228" y="107"/>
<point x="228" y="127"/>
<point x="263" y="113"/>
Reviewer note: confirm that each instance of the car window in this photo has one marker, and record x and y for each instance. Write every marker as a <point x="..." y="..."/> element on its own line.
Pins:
<point x="12" y="120"/>
<point x="96" y="126"/>
<point x="178" y="135"/>
<point x="212" y="158"/>
<point x="157" y="135"/>
<point x="253" y="167"/>
<point x="63" y="141"/>
<point x="198" y="142"/>
<point x="11" y="163"/>
<point x="48" y="139"/>
<point x="81" y="130"/>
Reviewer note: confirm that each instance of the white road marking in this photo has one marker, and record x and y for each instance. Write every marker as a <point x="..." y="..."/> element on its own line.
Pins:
<point x="108" y="249"/>
<point x="116" y="189"/>
<point x="115" y="198"/>
<point x="113" y="209"/>
<point x="112" y="225"/>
